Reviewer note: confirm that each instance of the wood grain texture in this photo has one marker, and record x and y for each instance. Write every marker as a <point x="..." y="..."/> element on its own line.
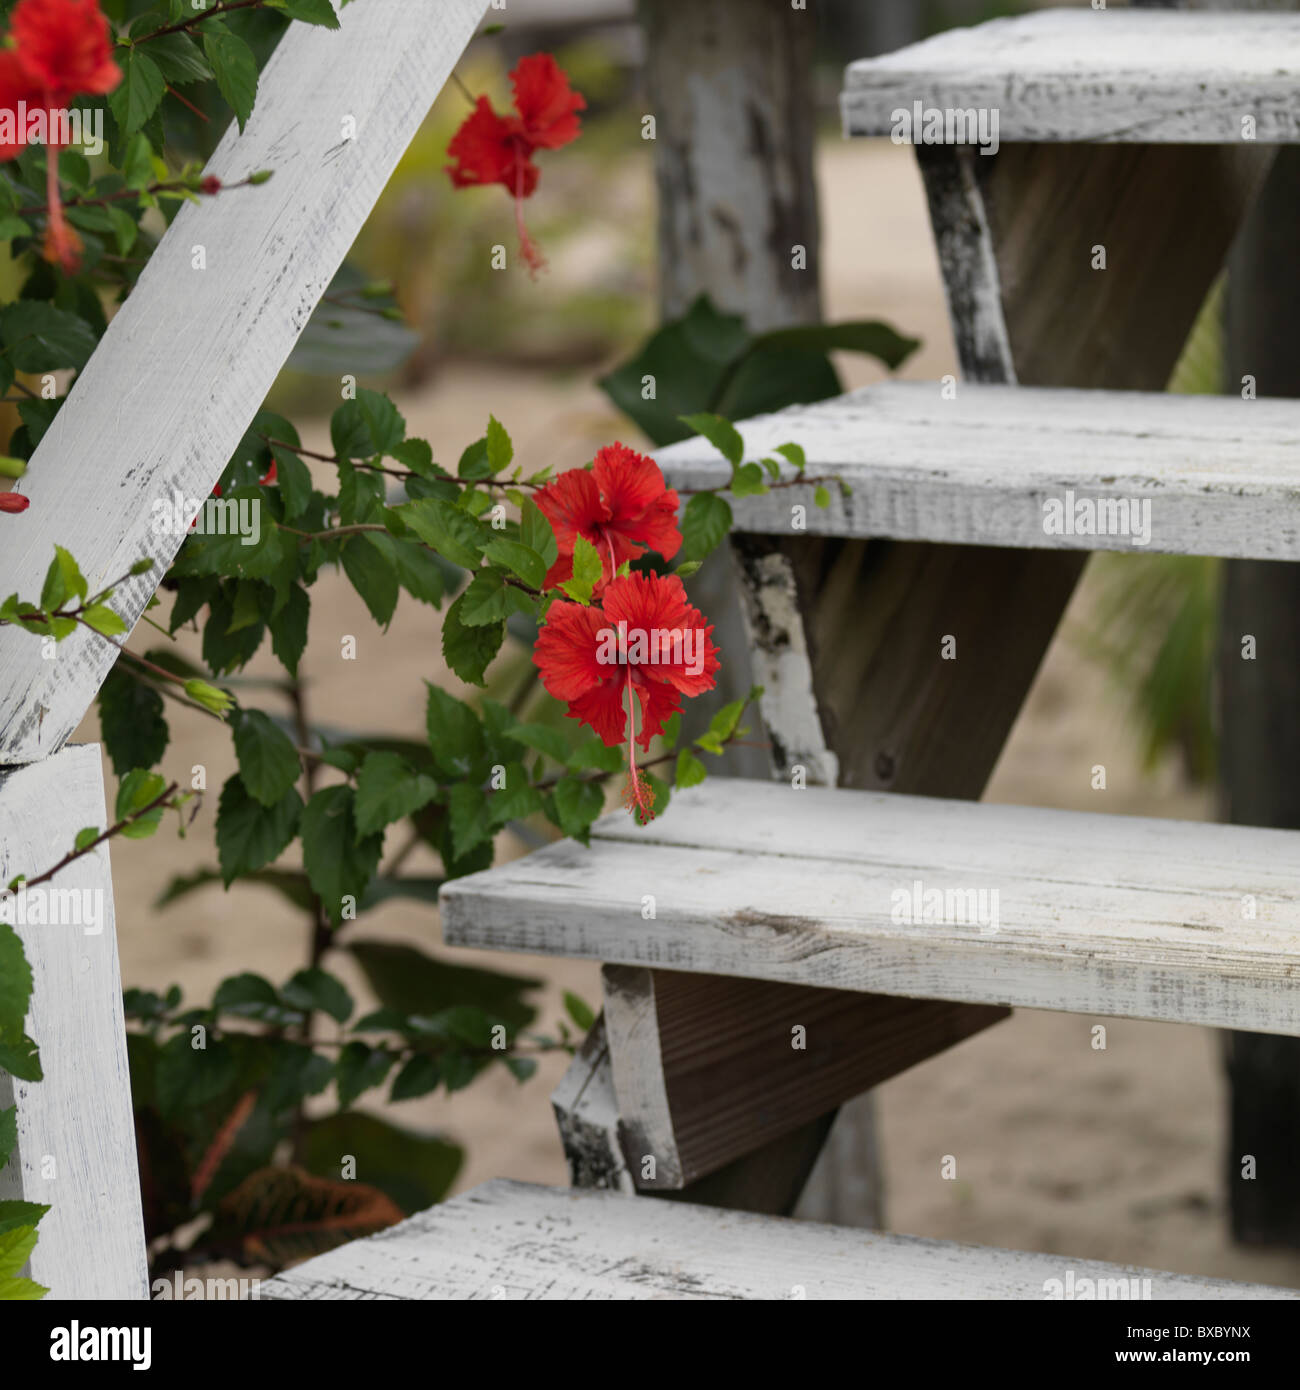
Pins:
<point x="1096" y="913"/>
<point x="1221" y="475"/>
<point x="187" y="361"/>
<point x="708" y="1068"/>
<point x="1114" y="75"/>
<point x="76" y="1135"/>
<point x="508" y="1240"/>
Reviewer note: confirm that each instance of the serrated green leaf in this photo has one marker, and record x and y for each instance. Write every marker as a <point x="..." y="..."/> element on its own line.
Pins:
<point x="389" y="789"/>
<point x="722" y="434"/>
<point x="268" y="761"/>
<point x="690" y="770"/>
<point x="587" y="571"/>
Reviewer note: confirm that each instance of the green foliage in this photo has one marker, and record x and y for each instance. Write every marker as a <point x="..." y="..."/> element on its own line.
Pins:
<point x="709" y="362"/>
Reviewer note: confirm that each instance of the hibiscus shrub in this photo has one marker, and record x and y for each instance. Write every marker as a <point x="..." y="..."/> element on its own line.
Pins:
<point x="573" y="571"/>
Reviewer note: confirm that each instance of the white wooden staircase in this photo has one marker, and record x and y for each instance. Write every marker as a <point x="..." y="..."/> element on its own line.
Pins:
<point x="1145" y="134"/>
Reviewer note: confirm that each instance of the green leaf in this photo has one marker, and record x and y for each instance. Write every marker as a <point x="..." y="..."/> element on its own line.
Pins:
<point x="519" y="559"/>
<point x="417" y="1078"/>
<point x="749" y="481"/>
<point x="15" y="982"/>
<point x="705" y="523"/>
<point x="469" y="818"/>
<point x="724" y="722"/>
<point x="134" y="792"/>
<point x="516" y="799"/>
<point x="690" y="770"/>
<point x="178" y="59"/>
<point x="542" y="739"/>
<point x="388" y="789"/>
<point x="499" y="448"/>
<point x="250" y="835"/>
<point x="595" y="753"/>
<point x="821" y="497"/>
<point x="310" y="11"/>
<point x="63" y="580"/>
<point x="489" y="599"/>
<point x="86" y="837"/>
<point x="245" y="994"/>
<point x="40" y="338"/>
<point x="361" y="1067"/>
<point x="235" y="69"/>
<point x="419" y="572"/>
<point x="339" y="863"/>
<point x="579" y="1010"/>
<point x="289" y="631"/>
<point x="366" y="427"/>
<point x="139" y="93"/>
<point x="467" y="649"/>
<point x="16" y="1247"/>
<point x="410" y="981"/>
<point x="722" y="434"/>
<point x="577" y="803"/>
<point x="536" y="532"/>
<point x="455" y="733"/>
<point x="449" y="529"/>
<point x="370" y="564"/>
<point x="19" y="1056"/>
<point x="103" y="619"/>
<point x="587" y="571"/>
<point x="415" y="1170"/>
<point x="294" y="479"/>
<point x="313" y="988"/>
<point x="268" y="761"/>
<point x="8" y="1136"/>
<point x="795" y="454"/>
<point x="870" y="337"/>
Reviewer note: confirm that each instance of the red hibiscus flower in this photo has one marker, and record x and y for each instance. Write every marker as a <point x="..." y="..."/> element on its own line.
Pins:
<point x="490" y="148"/>
<point x="63" y="50"/>
<point x="14" y="502"/>
<point x="621" y="506"/>
<point x="647" y="642"/>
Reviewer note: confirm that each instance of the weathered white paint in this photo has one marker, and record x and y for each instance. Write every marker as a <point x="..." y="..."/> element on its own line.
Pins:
<point x="1221" y="475"/>
<point x="586" y="1114"/>
<point x="509" y="1240"/>
<point x="779" y="662"/>
<point x="1097" y="913"/>
<point x="191" y="355"/>
<point x="1113" y="75"/>
<point x="78" y="1119"/>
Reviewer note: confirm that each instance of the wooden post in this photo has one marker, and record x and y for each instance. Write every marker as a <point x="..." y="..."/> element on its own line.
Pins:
<point x="76" y="1134"/>
<point x="730" y="85"/>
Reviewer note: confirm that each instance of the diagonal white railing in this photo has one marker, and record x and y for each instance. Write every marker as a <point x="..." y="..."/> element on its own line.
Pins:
<point x="186" y="363"/>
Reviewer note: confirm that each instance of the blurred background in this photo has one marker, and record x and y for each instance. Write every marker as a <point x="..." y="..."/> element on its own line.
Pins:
<point x="1114" y="1154"/>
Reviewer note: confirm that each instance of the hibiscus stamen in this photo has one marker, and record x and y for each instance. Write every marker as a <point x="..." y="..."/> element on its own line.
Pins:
<point x="62" y="244"/>
<point x="528" y="248"/>
<point x="636" y="793"/>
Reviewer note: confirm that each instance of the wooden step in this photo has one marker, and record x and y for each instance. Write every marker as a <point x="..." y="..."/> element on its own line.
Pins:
<point x="510" y="1240"/>
<point x="1098" y="914"/>
<point x="1030" y="467"/>
<point x="1107" y="76"/>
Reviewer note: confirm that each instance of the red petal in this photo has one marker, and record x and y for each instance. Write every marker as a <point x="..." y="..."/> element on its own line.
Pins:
<point x="17" y="85"/>
<point x="566" y="648"/>
<point x="571" y="503"/>
<point x="647" y="602"/>
<point x="640" y="507"/>
<point x="66" y="46"/>
<point x="545" y="102"/>
<point x="487" y="149"/>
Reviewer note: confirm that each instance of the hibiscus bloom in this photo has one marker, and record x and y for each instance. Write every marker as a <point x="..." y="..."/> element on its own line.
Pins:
<point x="490" y="148"/>
<point x="645" y="646"/>
<point x="621" y="506"/>
<point x="63" y="50"/>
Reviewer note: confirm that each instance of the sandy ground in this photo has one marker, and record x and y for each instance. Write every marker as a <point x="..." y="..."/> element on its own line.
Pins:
<point x="1059" y="1147"/>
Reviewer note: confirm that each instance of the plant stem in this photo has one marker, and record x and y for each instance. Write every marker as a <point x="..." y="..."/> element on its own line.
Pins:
<point x="112" y="830"/>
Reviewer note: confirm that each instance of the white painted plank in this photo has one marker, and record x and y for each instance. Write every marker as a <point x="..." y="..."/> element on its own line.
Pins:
<point x="586" y="1114"/>
<point x="1097" y="913"/>
<point x="1113" y="75"/>
<point x="508" y="1240"/>
<point x="188" y="360"/>
<point x="1215" y="475"/>
<point x="76" y="1135"/>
